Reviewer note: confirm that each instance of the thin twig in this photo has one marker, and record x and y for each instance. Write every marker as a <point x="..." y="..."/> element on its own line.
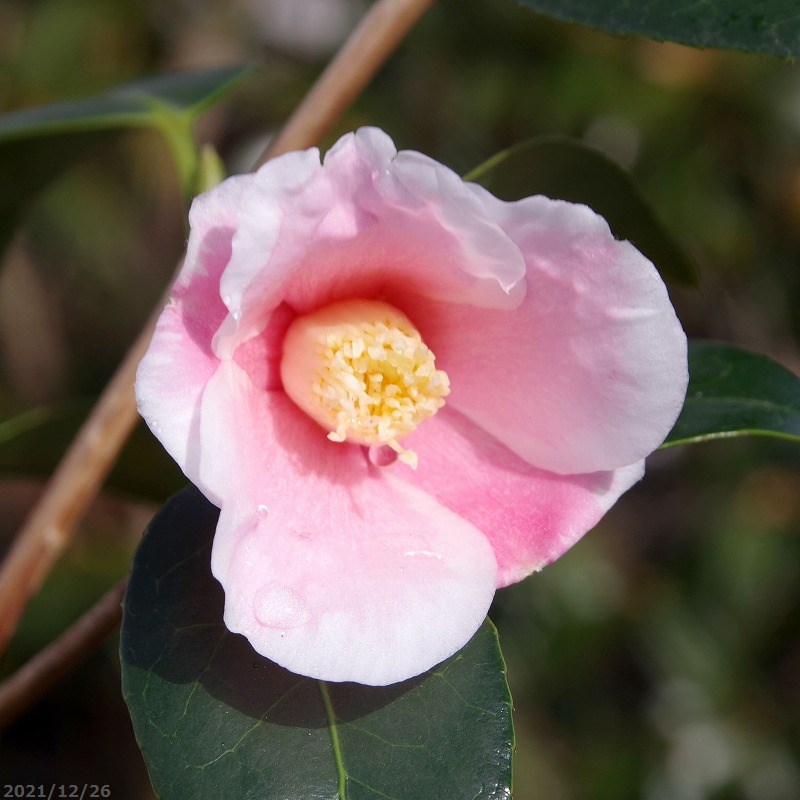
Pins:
<point x="381" y="30"/>
<point x="51" y="525"/>
<point x="59" y="658"/>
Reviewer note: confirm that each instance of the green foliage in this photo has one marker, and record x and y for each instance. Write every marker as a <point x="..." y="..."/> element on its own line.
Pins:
<point x="214" y="719"/>
<point x="136" y="104"/>
<point x="647" y="642"/>
<point x="771" y="27"/>
<point x="38" y="144"/>
<point x="734" y="392"/>
<point x="211" y="170"/>
<point x="566" y="169"/>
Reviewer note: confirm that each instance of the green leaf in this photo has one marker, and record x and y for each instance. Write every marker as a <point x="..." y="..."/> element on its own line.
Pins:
<point x="214" y="719"/>
<point x="125" y="106"/>
<point x="38" y="144"/>
<point x="733" y="392"/>
<point x="566" y="169"/>
<point x="771" y="27"/>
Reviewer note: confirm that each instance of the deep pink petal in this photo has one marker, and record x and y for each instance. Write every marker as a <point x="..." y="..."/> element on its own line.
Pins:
<point x="589" y="373"/>
<point x="331" y="567"/>
<point x="530" y="516"/>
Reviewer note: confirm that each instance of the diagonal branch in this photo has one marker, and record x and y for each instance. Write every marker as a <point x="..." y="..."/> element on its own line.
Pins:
<point x="380" y="32"/>
<point x="52" y="524"/>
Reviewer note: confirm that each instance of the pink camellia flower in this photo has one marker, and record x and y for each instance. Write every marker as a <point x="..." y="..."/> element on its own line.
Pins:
<point x="402" y="393"/>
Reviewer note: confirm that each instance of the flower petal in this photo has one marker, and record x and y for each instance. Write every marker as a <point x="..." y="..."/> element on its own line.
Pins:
<point x="331" y="567"/>
<point x="180" y="360"/>
<point x="213" y="219"/>
<point x="170" y="382"/>
<point x="531" y="517"/>
<point x="280" y="206"/>
<point x="589" y="373"/>
<point x="367" y="222"/>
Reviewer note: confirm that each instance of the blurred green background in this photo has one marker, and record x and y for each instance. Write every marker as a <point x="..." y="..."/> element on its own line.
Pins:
<point x="659" y="659"/>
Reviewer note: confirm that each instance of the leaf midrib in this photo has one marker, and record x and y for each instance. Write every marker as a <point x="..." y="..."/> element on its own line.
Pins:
<point x="335" y="743"/>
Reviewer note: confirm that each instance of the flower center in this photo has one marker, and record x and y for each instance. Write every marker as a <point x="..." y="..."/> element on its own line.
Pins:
<point x="361" y="370"/>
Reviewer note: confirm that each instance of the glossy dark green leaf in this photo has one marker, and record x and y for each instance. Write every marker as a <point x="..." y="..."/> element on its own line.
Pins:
<point x="566" y="169"/>
<point x="214" y="719"/>
<point x="771" y="27"/>
<point x="733" y="392"/>
<point x="38" y="144"/>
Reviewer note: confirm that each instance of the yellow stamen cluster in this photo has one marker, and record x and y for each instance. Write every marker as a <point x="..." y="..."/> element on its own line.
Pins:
<point x="372" y="380"/>
<point x="378" y="382"/>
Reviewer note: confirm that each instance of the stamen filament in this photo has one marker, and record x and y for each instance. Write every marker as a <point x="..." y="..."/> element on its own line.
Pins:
<point x="361" y="370"/>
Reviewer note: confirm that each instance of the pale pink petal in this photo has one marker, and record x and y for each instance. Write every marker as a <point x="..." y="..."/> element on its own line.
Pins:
<point x="567" y="367"/>
<point x="180" y="360"/>
<point x="331" y="567"/>
<point x="530" y="516"/>
<point x="589" y="373"/>
<point x="213" y="219"/>
<point x="170" y="383"/>
<point x="281" y="204"/>
<point x="367" y="223"/>
<point x="260" y="356"/>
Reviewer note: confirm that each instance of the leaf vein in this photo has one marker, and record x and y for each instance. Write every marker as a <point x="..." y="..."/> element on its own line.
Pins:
<point x="259" y="722"/>
<point x="400" y="745"/>
<point x="372" y="789"/>
<point x="462" y="698"/>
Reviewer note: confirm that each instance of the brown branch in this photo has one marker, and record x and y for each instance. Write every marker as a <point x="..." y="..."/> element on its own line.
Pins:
<point x="59" y="658"/>
<point x="381" y="30"/>
<point x="51" y="525"/>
